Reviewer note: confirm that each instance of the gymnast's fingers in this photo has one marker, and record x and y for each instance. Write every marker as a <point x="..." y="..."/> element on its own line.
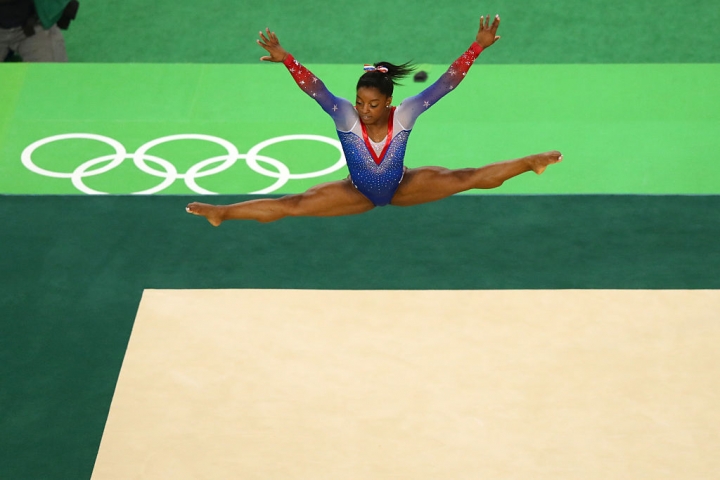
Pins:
<point x="495" y="24"/>
<point x="263" y="37"/>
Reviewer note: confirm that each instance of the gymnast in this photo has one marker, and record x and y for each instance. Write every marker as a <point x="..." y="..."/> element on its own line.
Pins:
<point x="373" y="135"/>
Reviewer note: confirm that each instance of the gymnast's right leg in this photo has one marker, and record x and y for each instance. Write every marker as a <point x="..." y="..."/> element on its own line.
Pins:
<point x="325" y="200"/>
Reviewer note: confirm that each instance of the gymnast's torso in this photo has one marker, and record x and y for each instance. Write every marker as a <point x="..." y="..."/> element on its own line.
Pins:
<point x="376" y="168"/>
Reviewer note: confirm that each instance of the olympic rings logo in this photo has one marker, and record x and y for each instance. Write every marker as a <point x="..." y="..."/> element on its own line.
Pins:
<point x="168" y="172"/>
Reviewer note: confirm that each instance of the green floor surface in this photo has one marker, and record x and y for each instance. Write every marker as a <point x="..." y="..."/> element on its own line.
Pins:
<point x="648" y="129"/>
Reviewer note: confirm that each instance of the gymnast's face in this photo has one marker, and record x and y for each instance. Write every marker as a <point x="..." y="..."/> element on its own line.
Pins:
<point x="371" y="105"/>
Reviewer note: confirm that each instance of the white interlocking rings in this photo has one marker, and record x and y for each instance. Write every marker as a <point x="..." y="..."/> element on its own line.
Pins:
<point x="168" y="172"/>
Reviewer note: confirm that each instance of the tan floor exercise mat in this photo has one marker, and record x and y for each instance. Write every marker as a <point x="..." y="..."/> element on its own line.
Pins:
<point x="306" y="384"/>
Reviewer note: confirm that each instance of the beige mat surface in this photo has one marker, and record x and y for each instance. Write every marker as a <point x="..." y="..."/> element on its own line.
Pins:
<point x="304" y="384"/>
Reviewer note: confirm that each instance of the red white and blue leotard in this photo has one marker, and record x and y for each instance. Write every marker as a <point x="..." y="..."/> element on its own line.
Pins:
<point x="376" y="169"/>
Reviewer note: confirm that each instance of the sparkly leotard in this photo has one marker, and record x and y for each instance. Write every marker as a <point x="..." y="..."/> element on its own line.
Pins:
<point x="376" y="169"/>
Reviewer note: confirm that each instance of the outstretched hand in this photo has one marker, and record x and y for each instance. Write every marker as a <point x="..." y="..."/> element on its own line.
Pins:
<point x="487" y="34"/>
<point x="270" y="42"/>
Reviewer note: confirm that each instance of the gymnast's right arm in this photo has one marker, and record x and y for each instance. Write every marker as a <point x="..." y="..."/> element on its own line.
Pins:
<point x="340" y="109"/>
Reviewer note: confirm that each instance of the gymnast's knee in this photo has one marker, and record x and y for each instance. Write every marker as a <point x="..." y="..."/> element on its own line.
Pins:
<point x="291" y="206"/>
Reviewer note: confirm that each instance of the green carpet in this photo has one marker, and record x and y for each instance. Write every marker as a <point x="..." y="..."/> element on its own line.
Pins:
<point x="221" y="31"/>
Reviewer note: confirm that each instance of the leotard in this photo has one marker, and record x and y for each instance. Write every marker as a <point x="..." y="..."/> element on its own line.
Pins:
<point x="376" y="169"/>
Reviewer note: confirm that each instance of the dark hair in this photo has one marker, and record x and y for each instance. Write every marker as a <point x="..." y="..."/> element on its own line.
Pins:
<point x="385" y="81"/>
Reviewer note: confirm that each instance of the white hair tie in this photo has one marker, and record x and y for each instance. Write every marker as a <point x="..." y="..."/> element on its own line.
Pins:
<point x="372" y="68"/>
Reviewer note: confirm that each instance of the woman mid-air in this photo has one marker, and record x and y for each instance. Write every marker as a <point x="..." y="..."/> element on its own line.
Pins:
<point x="373" y="135"/>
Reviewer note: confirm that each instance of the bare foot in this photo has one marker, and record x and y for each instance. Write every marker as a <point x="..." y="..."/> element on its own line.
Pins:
<point x="539" y="162"/>
<point x="213" y="213"/>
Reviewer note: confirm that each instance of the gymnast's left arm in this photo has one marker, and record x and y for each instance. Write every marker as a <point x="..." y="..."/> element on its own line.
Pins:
<point x="412" y="107"/>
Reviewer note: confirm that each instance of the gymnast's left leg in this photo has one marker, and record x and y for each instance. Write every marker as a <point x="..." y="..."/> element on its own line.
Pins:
<point x="427" y="184"/>
<point x="325" y="200"/>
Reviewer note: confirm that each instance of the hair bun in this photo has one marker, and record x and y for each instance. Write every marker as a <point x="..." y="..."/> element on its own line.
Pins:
<point x="391" y="74"/>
